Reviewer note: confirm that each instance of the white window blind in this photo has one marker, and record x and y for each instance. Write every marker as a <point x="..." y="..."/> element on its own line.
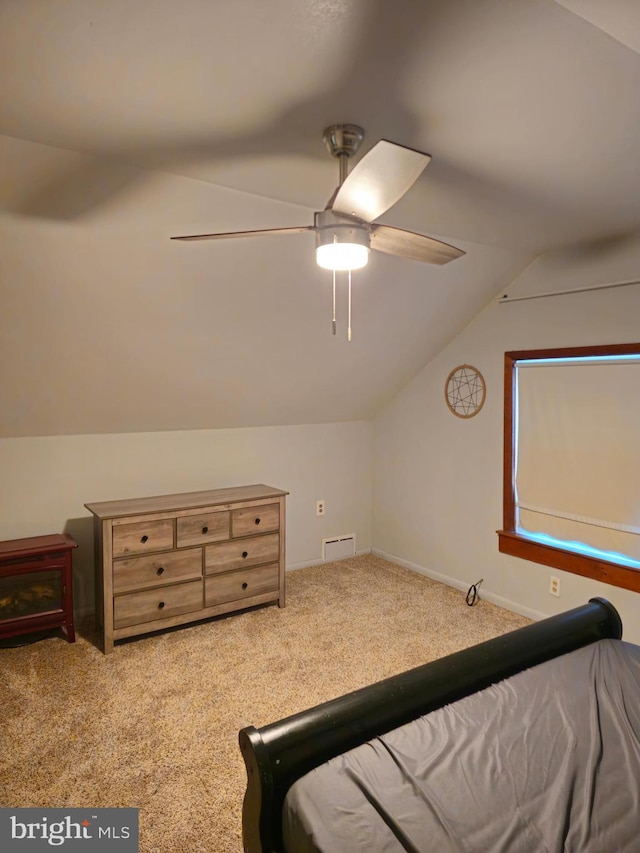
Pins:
<point x="577" y="469"/>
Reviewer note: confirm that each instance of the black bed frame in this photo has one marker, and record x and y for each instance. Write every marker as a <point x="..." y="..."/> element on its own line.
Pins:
<point x="278" y="754"/>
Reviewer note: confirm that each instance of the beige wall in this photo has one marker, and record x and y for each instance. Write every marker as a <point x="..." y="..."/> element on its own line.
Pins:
<point x="434" y="481"/>
<point x="438" y="478"/>
<point x="46" y="481"/>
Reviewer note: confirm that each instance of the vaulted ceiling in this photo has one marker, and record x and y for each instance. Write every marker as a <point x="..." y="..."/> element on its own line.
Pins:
<point x="125" y="123"/>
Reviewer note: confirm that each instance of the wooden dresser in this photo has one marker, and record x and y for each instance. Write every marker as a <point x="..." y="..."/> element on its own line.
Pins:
<point x="171" y="559"/>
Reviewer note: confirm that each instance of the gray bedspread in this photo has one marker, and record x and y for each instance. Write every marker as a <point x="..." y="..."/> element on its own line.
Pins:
<point x="547" y="760"/>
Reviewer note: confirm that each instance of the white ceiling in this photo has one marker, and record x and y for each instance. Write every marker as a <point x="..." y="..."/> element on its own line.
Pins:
<point x="125" y="122"/>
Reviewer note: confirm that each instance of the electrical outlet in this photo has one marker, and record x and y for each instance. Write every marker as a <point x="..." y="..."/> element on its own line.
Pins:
<point x="319" y="507"/>
<point x="554" y="586"/>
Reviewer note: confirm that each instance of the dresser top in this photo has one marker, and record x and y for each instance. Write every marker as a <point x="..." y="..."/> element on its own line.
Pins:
<point x="185" y="500"/>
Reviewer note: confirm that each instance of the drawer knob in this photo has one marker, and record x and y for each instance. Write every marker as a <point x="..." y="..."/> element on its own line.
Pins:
<point x="160" y="605"/>
<point x="245" y="585"/>
<point x="245" y="554"/>
<point x="257" y="521"/>
<point x="160" y="570"/>
<point x="144" y="538"/>
<point x="205" y="529"/>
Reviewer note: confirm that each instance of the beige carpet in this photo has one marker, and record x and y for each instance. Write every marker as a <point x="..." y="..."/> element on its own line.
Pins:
<point x="155" y="724"/>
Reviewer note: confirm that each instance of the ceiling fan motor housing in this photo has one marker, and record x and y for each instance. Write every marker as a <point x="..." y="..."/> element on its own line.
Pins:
<point x="334" y="230"/>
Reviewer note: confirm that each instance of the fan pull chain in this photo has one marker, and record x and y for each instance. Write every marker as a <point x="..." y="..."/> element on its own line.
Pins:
<point x="333" y="317"/>
<point x="349" y="321"/>
<point x="333" y="322"/>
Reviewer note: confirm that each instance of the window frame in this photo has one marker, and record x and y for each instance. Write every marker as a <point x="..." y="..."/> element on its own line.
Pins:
<point x="518" y="545"/>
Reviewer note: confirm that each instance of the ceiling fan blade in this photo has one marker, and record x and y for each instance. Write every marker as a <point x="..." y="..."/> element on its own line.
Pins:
<point x="224" y="236"/>
<point x="379" y="180"/>
<point x="408" y="244"/>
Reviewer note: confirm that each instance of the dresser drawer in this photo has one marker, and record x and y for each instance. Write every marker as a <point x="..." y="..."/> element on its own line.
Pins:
<point x="142" y="536"/>
<point x="245" y="552"/>
<point x="248" y="521"/>
<point x="199" y="529"/>
<point x="156" y="569"/>
<point x="242" y="584"/>
<point x="135" y="608"/>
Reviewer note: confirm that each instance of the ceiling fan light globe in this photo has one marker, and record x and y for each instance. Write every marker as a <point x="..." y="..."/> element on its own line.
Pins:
<point x="342" y="256"/>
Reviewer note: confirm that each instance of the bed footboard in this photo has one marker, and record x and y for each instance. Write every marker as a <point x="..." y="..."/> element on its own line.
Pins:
<point x="278" y="754"/>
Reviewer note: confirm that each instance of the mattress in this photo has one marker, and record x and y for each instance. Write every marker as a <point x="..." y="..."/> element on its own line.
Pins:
<point x="547" y="760"/>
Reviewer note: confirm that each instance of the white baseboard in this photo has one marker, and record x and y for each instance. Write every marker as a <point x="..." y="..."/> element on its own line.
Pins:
<point x="536" y="615"/>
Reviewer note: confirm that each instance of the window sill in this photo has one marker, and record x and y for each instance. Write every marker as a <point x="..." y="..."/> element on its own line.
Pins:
<point x="568" y="561"/>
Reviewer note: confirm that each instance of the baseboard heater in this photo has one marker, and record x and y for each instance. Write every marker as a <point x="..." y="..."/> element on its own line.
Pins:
<point x="338" y="548"/>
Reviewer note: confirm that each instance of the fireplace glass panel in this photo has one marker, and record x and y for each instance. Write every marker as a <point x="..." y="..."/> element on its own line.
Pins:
<point x="30" y="594"/>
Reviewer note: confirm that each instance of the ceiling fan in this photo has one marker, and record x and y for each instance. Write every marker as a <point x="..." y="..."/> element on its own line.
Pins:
<point x="346" y="229"/>
<point x="376" y="183"/>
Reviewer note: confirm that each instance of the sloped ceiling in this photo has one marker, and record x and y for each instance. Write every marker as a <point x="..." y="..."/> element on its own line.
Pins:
<point x="125" y="123"/>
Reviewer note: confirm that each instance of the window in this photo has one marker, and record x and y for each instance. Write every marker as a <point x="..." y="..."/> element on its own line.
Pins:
<point x="571" y="488"/>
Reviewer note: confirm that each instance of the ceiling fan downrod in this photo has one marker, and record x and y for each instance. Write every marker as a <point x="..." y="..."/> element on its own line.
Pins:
<point x="343" y="141"/>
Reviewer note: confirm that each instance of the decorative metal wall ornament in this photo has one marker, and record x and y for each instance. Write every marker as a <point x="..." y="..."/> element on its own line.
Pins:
<point x="465" y="391"/>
